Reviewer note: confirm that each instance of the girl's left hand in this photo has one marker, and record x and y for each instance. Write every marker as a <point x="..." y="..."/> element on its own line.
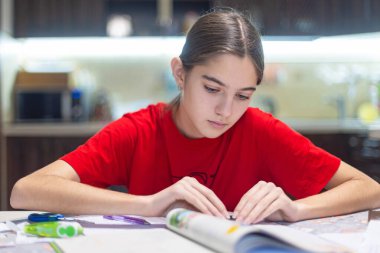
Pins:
<point x="265" y="201"/>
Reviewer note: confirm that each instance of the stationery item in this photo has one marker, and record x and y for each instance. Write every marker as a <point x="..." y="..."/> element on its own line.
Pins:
<point x="99" y="221"/>
<point x="231" y="216"/>
<point x="229" y="236"/>
<point x="128" y="219"/>
<point x="43" y="217"/>
<point x="55" y="229"/>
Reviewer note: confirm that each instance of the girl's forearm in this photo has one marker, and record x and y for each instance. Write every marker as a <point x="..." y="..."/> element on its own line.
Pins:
<point x="351" y="196"/>
<point x="55" y="194"/>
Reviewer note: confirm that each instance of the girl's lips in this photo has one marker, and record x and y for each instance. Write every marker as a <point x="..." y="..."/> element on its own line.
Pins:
<point x="216" y="124"/>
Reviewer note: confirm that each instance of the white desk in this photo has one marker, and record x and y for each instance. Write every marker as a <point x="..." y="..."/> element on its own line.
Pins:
<point x="120" y="240"/>
<point x="348" y="230"/>
<point x="13" y="215"/>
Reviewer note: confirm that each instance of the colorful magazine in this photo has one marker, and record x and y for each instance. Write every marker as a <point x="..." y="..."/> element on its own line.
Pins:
<point x="229" y="236"/>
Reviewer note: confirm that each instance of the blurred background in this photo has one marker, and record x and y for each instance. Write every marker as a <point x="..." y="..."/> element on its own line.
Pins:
<point x="68" y="67"/>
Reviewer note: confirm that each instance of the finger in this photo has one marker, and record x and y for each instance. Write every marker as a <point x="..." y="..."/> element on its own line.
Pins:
<point x="214" y="204"/>
<point x="283" y="209"/>
<point x="262" y="206"/>
<point x="248" y="207"/>
<point x="243" y="201"/>
<point x="275" y="206"/>
<point x="211" y="196"/>
<point x="194" y="197"/>
<point x="181" y="191"/>
<point x="197" y="198"/>
<point x="253" y="200"/>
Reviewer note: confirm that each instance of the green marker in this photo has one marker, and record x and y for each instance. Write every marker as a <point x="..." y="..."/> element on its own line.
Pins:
<point x="56" y="229"/>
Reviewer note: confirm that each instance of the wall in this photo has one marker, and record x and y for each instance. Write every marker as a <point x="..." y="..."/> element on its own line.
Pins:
<point x="303" y="79"/>
<point x="311" y="90"/>
<point x="6" y="19"/>
<point x="8" y="66"/>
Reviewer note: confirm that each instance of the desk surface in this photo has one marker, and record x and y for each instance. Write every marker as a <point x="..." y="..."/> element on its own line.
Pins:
<point x="347" y="229"/>
<point x="13" y="215"/>
<point x="120" y="240"/>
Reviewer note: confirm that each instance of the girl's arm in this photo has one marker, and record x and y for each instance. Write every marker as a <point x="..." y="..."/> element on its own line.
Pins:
<point x="57" y="188"/>
<point x="349" y="190"/>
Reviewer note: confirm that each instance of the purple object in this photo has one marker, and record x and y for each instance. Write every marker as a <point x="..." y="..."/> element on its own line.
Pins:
<point x="126" y="218"/>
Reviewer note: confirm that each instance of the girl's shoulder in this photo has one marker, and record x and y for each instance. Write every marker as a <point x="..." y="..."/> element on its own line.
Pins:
<point x="148" y="115"/>
<point x="143" y="120"/>
<point x="257" y="118"/>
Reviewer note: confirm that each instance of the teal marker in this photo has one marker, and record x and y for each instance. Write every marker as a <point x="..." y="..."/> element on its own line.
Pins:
<point x="56" y="229"/>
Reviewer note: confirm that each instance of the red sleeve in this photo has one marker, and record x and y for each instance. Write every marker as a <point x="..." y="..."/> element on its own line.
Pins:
<point x="104" y="159"/>
<point x="294" y="163"/>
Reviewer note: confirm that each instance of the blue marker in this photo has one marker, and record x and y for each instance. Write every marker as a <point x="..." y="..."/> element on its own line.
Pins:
<point x="43" y="217"/>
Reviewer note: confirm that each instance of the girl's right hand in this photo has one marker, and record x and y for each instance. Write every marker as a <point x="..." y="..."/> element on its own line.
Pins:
<point x="193" y="193"/>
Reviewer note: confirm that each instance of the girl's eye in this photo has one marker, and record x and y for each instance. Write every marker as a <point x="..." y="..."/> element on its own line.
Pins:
<point x="242" y="97"/>
<point x="210" y="90"/>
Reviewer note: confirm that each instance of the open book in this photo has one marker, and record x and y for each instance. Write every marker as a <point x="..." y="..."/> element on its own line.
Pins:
<point x="229" y="236"/>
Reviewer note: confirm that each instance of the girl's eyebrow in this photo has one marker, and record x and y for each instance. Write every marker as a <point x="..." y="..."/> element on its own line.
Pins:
<point x="213" y="79"/>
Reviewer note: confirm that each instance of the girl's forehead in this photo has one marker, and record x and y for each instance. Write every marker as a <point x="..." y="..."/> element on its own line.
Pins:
<point x="229" y="61"/>
<point x="229" y="67"/>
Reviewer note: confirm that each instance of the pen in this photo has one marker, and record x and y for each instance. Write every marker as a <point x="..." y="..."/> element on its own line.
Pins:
<point x="43" y="217"/>
<point x="131" y="219"/>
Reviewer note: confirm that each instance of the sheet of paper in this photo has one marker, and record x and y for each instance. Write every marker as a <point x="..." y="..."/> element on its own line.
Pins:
<point x="130" y="240"/>
<point x="372" y="242"/>
<point x="3" y="227"/>
<point x="353" y="241"/>
<point x="41" y="247"/>
<point x="350" y="223"/>
<point x="9" y="237"/>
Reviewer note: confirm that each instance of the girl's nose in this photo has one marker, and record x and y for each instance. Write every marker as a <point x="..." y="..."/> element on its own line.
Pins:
<point x="224" y="108"/>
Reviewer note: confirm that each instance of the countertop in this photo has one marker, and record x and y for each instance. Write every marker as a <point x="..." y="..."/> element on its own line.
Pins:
<point x="320" y="126"/>
<point x="52" y="129"/>
<point x="305" y="126"/>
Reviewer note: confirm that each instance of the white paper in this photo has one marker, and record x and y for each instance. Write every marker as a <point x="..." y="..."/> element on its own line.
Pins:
<point x="372" y="235"/>
<point x="353" y="241"/>
<point x="131" y="241"/>
<point x="11" y="234"/>
<point x="3" y="227"/>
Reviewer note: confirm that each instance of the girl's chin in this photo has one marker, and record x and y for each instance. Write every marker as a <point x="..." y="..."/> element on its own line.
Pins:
<point x="213" y="134"/>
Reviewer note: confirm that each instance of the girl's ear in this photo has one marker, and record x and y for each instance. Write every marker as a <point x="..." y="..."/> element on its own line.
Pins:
<point x="178" y="72"/>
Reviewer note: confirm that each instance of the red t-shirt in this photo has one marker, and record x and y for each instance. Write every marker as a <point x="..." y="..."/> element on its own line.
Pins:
<point x="146" y="152"/>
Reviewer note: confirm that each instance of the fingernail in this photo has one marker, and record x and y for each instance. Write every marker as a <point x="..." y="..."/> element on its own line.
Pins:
<point x="235" y="215"/>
